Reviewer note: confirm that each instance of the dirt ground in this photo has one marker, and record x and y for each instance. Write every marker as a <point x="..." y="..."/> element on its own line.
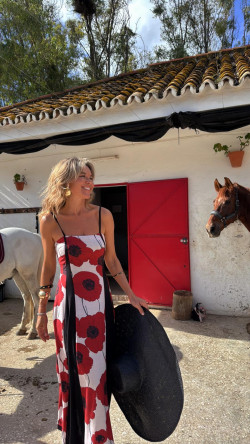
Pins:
<point x="214" y="362"/>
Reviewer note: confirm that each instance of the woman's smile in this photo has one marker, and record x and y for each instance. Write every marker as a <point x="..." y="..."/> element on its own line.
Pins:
<point x="84" y="183"/>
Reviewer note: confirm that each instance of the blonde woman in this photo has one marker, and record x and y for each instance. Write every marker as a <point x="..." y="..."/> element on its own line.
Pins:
<point x="81" y="235"/>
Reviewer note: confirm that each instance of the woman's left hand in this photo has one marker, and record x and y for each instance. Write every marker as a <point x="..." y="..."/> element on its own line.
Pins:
<point x="138" y="303"/>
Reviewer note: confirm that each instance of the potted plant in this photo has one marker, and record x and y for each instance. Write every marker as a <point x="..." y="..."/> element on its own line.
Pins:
<point x="19" y="180"/>
<point x="234" y="156"/>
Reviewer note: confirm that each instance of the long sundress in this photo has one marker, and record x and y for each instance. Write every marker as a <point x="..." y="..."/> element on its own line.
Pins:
<point x="82" y="311"/>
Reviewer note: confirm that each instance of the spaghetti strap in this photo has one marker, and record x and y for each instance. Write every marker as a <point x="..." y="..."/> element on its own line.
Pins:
<point x="58" y="225"/>
<point x="100" y="225"/>
<point x="100" y="221"/>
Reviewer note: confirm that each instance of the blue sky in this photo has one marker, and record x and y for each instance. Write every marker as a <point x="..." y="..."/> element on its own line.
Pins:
<point x="147" y="26"/>
<point x="239" y="15"/>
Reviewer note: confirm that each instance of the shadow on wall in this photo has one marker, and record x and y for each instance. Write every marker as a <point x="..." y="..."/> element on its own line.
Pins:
<point x="11" y="198"/>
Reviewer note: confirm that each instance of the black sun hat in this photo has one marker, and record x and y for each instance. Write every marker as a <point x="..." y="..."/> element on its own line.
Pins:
<point x="147" y="382"/>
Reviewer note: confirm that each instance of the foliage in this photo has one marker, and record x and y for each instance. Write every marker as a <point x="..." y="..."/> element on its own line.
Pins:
<point x="37" y="52"/>
<point x="219" y="147"/>
<point x="246" y="22"/>
<point x="40" y="54"/>
<point x="174" y="16"/>
<point x="244" y="142"/>
<point x="105" y="39"/>
<point x="19" y="178"/>
<point x="193" y="26"/>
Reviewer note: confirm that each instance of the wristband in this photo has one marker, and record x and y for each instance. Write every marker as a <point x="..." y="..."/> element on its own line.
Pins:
<point x="120" y="272"/>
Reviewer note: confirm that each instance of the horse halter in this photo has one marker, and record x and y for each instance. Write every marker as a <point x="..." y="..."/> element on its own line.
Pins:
<point x="225" y="218"/>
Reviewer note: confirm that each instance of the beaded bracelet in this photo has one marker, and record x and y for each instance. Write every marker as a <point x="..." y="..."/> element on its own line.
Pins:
<point x="120" y="272"/>
<point x="43" y="287"/>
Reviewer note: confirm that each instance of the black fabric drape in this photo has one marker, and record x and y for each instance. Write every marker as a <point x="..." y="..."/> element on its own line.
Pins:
<point x="213" y="121"/>
<point x="217" y="120"/>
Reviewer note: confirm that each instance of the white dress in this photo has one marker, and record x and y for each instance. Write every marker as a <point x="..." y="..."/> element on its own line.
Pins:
<point x="80" y="333"/>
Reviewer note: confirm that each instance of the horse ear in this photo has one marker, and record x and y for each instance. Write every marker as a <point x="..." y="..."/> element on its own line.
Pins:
<point x="217" y="185"/>
<point x="228" y="183"/>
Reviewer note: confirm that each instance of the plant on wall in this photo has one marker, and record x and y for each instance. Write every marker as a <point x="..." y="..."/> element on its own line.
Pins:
<point x="244" y="142"/>
<point x="19" y="180"/>
<point x="237" y="155"/>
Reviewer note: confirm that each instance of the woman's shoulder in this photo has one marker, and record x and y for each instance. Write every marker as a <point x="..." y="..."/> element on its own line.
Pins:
<point x="46" y="218"/>
<point x="104" y="211"/>
<point x="47" y="221"/>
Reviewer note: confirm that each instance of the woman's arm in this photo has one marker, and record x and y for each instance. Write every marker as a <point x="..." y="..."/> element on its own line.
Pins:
<point x="114" y="264"/>
<point x="47" y="273"/>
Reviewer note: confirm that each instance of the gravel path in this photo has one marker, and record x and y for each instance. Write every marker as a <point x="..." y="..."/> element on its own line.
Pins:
<point x="214" y="361"/>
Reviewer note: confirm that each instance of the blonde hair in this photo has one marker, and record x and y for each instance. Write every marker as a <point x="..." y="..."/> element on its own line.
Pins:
<point x="64" y="172"/>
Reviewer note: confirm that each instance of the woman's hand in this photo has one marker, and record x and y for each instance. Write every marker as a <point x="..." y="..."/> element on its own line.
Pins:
<point x="42" y="327"/>
<point x="138" y="303"/>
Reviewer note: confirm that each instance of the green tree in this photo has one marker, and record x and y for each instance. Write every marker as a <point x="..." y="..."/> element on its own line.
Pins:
<point x="175" y="19"/>
<point x="226" y="26"/>
<point x="246" y="20"/>
<point x="105" y="38"/>
<point x="38" y="54"/>
<point x="213" y="25"/>
<point x="194" y="26"/>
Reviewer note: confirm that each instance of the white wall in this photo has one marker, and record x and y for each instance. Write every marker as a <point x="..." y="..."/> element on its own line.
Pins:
<point x="220" y="276"/>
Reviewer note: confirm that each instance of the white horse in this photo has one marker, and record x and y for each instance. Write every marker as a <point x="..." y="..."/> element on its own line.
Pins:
<point x="23" y="262"/>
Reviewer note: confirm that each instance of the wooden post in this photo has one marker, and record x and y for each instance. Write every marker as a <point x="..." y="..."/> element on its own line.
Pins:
<point x="182" y="305"/>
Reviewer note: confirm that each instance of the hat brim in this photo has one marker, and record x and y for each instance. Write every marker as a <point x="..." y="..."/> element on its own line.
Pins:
<point x="153" y="409"/>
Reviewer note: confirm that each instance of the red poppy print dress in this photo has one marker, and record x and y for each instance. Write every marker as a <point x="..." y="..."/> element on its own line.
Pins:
<point x="80" y="333"/>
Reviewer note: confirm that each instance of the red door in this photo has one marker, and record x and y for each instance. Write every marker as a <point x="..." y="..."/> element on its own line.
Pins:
<point x="158" y="239"/>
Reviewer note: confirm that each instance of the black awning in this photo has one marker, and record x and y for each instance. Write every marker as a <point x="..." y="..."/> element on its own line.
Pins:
<point x="212" y="121"/>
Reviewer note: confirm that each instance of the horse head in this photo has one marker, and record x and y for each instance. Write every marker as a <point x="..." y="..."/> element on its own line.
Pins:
<point x="226" y="207"/>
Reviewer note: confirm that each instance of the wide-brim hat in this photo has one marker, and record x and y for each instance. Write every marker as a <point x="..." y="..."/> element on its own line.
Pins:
<point x="147" y="383"/>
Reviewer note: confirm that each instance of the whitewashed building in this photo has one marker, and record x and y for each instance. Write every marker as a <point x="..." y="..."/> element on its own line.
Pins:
<point x="150" y="134"/>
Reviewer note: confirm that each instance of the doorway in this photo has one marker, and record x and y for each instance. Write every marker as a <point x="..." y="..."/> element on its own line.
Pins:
<point x="151" y="236"/>
<point x="114" y="198"/>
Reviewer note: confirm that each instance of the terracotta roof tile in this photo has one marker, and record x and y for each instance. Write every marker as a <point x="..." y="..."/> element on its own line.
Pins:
<point x="158" y="80"/>
<point x="195" y="77"/>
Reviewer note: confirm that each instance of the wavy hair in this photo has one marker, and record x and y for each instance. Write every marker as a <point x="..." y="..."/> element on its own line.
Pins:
<point x="64" y="172"/>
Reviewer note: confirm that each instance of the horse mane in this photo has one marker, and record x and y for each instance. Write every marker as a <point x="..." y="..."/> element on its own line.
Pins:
<point x="229" y="184"/>
<point x="241" y="187"/>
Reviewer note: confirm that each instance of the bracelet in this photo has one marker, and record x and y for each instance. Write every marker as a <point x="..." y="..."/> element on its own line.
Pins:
<point x="41" y="314"/>
<point x="43" y="287"/>
<point x="120" y="272"/>
<point x="43" y="294"/>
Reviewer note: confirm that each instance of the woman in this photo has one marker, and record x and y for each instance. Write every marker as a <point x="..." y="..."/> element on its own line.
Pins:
<point x="81" y="235"/>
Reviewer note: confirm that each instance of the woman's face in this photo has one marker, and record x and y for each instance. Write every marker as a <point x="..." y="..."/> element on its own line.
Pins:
<point x="83" y="185"/>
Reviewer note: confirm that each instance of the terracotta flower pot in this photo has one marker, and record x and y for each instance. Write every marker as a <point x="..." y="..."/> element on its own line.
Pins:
<point x="236" y="158"/>
<point x="19" y="186"/>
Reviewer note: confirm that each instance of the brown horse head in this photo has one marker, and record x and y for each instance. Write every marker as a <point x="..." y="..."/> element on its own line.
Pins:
<point x="225" y="209"/>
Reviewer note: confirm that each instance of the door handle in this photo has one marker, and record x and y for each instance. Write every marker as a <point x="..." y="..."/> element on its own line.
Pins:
<point x="184" y="240"/>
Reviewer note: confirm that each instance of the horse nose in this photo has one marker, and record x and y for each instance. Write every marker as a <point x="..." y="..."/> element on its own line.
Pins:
<point x="212" y="229"/>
